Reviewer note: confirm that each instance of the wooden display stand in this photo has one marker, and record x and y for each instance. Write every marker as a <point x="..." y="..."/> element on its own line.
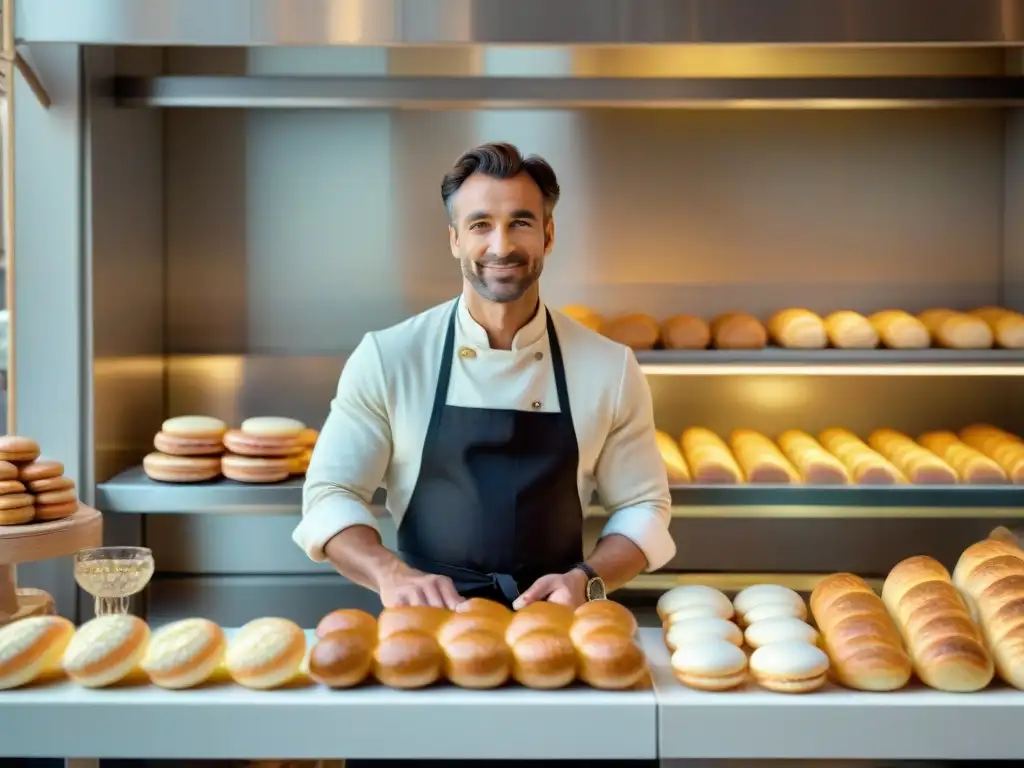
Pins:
<point x="41" y="541"/>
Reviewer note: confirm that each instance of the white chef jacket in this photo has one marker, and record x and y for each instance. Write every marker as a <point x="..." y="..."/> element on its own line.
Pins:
<point x="377" y="425"/>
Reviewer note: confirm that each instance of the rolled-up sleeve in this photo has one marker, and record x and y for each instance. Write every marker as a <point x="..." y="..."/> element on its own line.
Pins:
<point x="631" y="480"/>
<point x="351" y="456"/>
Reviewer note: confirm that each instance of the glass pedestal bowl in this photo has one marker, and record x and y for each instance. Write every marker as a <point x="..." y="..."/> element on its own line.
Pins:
<point x="113" y="574"/>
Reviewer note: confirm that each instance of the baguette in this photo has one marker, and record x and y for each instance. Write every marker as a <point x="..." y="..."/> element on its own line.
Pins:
<point x="971" y="465"/>
<point x="709" y="458"/>
<point x="815" y="465"/>
<point x="850" y="330"/>
<point x="672" y="457"/>
<point x="584" y="316"/>
<point x="866" y="467"/>
<point x="957" y="330"/>
<point x="897" y="329"/>
<point x="737" y="330"/>
<point x="798" y="329"/>
<point x="685" y="332"/>
<point x="944" y="643"/>
<point x="919" y="465"/>
<point x="636" y="330"/>
<point x="1007" y="326"/>
<point x="1005" y="449"/>
<point x="760" y="459"/>
<point x="858" y="635"/>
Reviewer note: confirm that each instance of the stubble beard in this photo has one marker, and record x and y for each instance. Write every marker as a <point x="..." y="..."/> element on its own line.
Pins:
<point x="500" y="289"/>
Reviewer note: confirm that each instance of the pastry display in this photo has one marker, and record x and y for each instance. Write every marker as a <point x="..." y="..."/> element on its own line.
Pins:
<point x="790" y="666"/>
<point x="815" y="465"/>
<point x="1006" y="325"/>
<point x="165" y="468"/>
<point x="866" y="466"/>
<point x="897" y="329"/>
<point x="105" y="650"/>
<point x="685" y="332"/>
<point x="184" y="654"/>
<point x="850" y="330"/>
<point x="266" y="653"/>
<point x="971" y="465"/>
<point x="672" y="458"/>
<point x="191" y="436"/>
<point x="692" y="601"/>
<point x="584" y="316"/>
<point x="32" y="648"/>
<point x="262" y="449"/>
<point x="760" y="459"/>
<point x="342" y="658"/>
<point x="957" y="330"/>
<point x="709" y="459"/>
<point x="637" y="331"/>
<point x="710" y="664"/>
<point x="919" y="465"/>
<point x="752" y="603"/>
<point x="32" y="490"/>
<point x="779" y="629"/>
<point x="797" y="329"/>
<point x="691" y="630"/>
<point x="1005" y="449"/>
<point x="737" y="330"/>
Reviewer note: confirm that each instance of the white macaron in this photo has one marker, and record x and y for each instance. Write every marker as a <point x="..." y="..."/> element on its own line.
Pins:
<point x="763" y="611"/>
<point x="758" y="594"/>
<point x="789" y="667"/>
<point x="710" y="664"/>
<point x="777" y="630"/>
<point x="699" y="628"/>
<point x="691" y="601"/>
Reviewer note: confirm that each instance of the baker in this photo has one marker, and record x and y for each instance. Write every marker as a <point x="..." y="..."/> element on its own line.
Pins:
<point x="490" y="420"/>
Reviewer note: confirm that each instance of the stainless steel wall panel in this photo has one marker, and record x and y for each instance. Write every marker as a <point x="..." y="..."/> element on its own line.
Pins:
<point x="1013" y="212"/>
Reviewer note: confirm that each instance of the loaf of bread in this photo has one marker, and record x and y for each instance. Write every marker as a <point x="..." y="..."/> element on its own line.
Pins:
<point x="990" y="576"/>
<point x="919" y="465"/>
<point x="1005" y="449"/>
<point x="585" y="316"/>
<point x="798" y="329"/>
<point x="972" y="466"/>
<point x="866" y="467"/>
<point x="815" y="465"/>
<point x="737" y="330"/>
<point x="858" y="635"/>
<point x="897" y="329"/>
<point x="850" y="330"/>
<point x="685" y="332"/>
<point x="709" y="458"/>
<point x="760" y="459"/>
<point x="1006" y="325"/>
<point x="956" y="330"/>
<point x="672" y="457"/>
<point x="944" y="642"/>
<point x="636" y="330"/>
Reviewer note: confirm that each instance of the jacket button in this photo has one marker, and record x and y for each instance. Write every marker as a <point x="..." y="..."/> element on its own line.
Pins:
<point x="538" y="355"/>
<point x="535" y="404"/>
<point x="467" y="352"/>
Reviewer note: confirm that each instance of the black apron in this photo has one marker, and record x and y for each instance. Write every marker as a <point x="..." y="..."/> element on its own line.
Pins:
<point x="496" y="504"/>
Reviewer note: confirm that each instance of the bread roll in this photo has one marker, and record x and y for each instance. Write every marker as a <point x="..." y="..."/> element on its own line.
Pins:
<point x="968" y="576"/>
<point x="480" y="606"/>
<point x="944" y="643"/>
<point x="610" y="659"/>
<point x="685" y="332"/>
<point x="866" y="467"/>
<point x="266" y="653"/>
<point x="957" y="330"/>
<point x="672" y="457"/>
<point x="541" y="615"/>
<point x="1005" y="449"/>
<point x="919" y="465"/>
<point x="636" y="330"/>
<point x="971" y="465"/>
<point x="614" y="612"/>
<point x="31" y="648"/>
<point x="709" y="458"/>
<point x="850" y="330"/>
<point x="346" y="620"/>
<point x="462" y="623"/>
<point x="797" y="329"/>
<point x="408" y="659"/>
<point x="105" y="650"/>
<point x="342" y="659"/>
<point x="760" y="459"/>
<point x="858" y="635"/>
<point x="544" y="659"/>
<point x="411" y="618"/>
<point x="584" y="316"/>
<point x="184" y="654"/>
<point x="815" y="465"/>
<point x="737" y="330"/>
<point x="477" y="660"/>
<point x="897" y="329"/>
<point x="1006" y="325"/>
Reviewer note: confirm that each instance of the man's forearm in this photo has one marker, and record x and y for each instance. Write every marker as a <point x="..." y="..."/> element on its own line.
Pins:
<point x="358" y="554"/>
<point x="617" y="560"/>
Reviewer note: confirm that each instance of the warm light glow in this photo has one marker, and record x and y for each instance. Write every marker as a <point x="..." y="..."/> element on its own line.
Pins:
<point x="800" y="369"/>
<point x="733" y="582"/>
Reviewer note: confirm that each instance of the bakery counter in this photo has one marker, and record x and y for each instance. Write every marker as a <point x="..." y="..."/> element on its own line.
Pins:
<point x="833" y="723"/>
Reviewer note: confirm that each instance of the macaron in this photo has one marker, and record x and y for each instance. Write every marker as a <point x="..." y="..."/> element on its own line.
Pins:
<point x="49" y="484"/>
<point x="181" y="469"/>
<point x="779" y="629"/>
<point x="194" y="427"/>
<point x="702" y="627"/>
<point x="710" y="665"/>
<point x="691" y="601"/>
<point x="17" y="508"/>
<point x="758" y="594"/>
<point x="273" y="426"/>
<point x="308" y="437"/>
<point x="16" y="449"/>
<point x="775" y="611"/>
<point x="8" y="471"/>
<point x="789" y="666"/>
<point x="261" y="446"/>
<point x="253" y="469"/>
<point x="42" y="469"/>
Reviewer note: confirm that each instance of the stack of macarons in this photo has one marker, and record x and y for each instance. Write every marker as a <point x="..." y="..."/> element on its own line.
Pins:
<point x="267" y="449"/>
<point x="706" y="645"/>
<point x="188" y="450"/>
<point x="32" y="489"/>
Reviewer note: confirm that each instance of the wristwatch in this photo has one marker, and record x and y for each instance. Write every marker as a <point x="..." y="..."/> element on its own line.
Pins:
<point x="595" y="584"/>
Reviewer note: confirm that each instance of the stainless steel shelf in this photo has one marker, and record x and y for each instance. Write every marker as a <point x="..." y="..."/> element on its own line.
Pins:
<point x="281" y="92"/>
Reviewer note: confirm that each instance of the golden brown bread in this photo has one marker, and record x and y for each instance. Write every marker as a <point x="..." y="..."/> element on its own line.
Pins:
<point x="1005" y="449"/>
<point x="480" y="606"/>
<point x="636" y="330"/>
<point x="672" y="458"/>
<point x="685" y="332"/>
<point x="944" y="642"/>
<point x="858" y="635"/>
<point x="415" y="618"/>
<point x="866" y="466"/>
<point x="956" y="330"/>
<point x="342" y="659"/>
<point x="815" y="465"/>
<point x="614" y="612"/>
<point x="477" y="660"/>
<point x="850" y="330"/>
<point x="897" y="329"/>
<point x="971" y="465"/>
<point x="347" y="619"/>
<point x="797" y="329"/>
<point x="1007" y="326"/>
<point x="544" y="659"/>
<point x="462" y="623"/>
<point x="987" y="553"/>
<point x="738" y="330"/>
<point x="709" y="458"/>
<point x="584" y="316"/>
<point x="610" y="659"/>
<point x="917" y="464"/>
<point x="408" y="659"/>
<point x="542" y="615"/>
<point x="760" y="459"/>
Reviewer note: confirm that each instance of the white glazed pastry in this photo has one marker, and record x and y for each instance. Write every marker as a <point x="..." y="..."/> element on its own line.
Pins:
<point x="789" y="667"/>
<point x="184" y="654"/>
<point x="106" y="650"/>
<point x="272" y="426"/>
<point x="692" y="601"/>
<point x="758" y="594"/>
<point x="32" y="647"/>
<point x="764" y="611"/>
<point x="768" y="631"/>
<point x="266" y="653"/>
<point x="710" y="665"/>
<point x="694" y="630"/>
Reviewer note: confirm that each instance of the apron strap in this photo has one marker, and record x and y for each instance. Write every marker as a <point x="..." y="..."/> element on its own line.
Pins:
<point x="444" y="373"/>
<point x="559" y="369"/>
<point x="465" y="578"/>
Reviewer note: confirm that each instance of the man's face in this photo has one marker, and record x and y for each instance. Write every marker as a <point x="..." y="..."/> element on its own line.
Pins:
<point x="499" y="235"/>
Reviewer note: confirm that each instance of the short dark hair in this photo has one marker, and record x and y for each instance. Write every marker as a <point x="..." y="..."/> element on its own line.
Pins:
<point x="501" y="160"/>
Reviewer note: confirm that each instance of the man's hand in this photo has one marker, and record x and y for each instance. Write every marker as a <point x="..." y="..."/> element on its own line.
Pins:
<point x="417" y="588"/>
<point x="563" y="588"/>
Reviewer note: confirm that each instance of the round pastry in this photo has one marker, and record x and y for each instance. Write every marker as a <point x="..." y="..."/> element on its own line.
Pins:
<point x="48" y="484"/>
<point x="177" y="445"/>
<point x="250" y="469"/>
<point x="197" y="427"/>
<point x="789" y="667"/>
<point x="273" y="426"/>
<point x="411" y="618"/>
<point x="8" y="471"/>
<point x="55" y="497"/>
<point x="184" y="654"/>
<point x="710" y="664"/>
<point x="307" y="437"/>
<point x="544" y="659"/>
<point x="461" y="623"/>
<point x="18" y="515"/>
<point x="777" y="630"/>
<point x="477" y="659"/>
<point x="106" y="650"/>
<point x="31" y="648"/>
<point x="685" y="332"/>
<point x="526" y="621"/>
<point x="11" y="486"/>
<point x="408" y="659"/>
<point x="244" y="444"/>
<point x="342" y="659"/>
<point x="266" y="653"/>
<point x="58" y="511"/>
<point x="764" y="611"/>
<point x="607" y="609"/>
<point x="560" y="614"/>
<point x="348" y="620"/>
<point x="751" y="597"/>
<point x="694" y="600"/>
<point x="611" y="660"/>
<point x="483" y="606"/>
<point x="694" y="630"/>
<point x="584" y="316"/>
<point x="180" y="469"/>
<point x="582" y="628"/>
<point x="40" y="470"/>
<point x="14" y="448"/>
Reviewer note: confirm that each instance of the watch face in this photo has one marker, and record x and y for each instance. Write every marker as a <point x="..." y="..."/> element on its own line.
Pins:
<point x="596" y="590"/>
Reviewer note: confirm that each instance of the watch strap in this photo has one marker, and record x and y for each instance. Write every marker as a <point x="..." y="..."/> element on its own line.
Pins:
<point x="589" y="572"/>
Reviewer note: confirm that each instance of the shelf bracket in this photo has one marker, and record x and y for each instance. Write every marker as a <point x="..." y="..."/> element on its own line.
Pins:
<point x="14" y="61"/>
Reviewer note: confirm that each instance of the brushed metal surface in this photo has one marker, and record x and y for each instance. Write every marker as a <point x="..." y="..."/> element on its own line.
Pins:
<point x="396" y="22"/>
<point x="1013" y="220"/>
